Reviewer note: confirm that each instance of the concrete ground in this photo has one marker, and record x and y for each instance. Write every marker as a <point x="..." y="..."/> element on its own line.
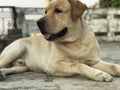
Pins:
<point x="110" y="51"/>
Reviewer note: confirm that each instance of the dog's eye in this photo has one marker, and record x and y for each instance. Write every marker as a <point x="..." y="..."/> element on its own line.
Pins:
<point x="58" y="10"/>
<point x="45" y="11"/>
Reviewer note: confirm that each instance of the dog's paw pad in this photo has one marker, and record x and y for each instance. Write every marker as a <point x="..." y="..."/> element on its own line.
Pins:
<point x="104" y="77"/>
<point x="2" y="76"/>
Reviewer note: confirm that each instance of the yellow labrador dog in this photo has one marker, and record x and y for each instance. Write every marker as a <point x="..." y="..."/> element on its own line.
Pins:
<point x="67" y="46"/>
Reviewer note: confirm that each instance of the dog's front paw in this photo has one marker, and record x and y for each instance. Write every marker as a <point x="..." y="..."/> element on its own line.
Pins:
<point x="2" y="76"/>
<point x="103" y="77"/>
<point x="116" y="70"/>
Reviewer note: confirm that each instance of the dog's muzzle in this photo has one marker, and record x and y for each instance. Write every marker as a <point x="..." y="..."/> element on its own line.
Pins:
<point x="49" y="36"/>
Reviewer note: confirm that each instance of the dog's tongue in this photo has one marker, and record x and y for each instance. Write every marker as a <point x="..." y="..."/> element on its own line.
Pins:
<point x="47" y="36"/>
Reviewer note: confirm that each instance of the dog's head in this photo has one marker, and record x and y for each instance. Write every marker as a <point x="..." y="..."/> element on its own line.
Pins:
<point x="60" y="17"/>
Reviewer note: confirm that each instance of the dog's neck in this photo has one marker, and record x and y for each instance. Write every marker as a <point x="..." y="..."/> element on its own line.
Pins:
<point x="76" y="41"/>
<point x="78" y="28"/>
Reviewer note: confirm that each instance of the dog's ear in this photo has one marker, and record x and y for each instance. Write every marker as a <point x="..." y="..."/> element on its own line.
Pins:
<point x="78" y="9"/>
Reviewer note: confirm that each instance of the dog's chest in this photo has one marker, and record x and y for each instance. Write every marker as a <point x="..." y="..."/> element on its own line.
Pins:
<point x="76" y="50"/>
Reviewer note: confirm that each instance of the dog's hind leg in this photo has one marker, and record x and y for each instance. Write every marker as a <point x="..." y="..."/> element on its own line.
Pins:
<point x="15" y="69"/>
<point x="19" y="66"/>
<point x="11" y="53"/>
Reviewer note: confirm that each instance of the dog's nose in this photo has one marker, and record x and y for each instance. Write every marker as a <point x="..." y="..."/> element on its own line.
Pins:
<point x="41" y="23"/>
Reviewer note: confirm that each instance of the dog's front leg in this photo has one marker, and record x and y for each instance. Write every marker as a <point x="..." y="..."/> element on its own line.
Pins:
<point x="113" y="69"/>
<point x="65" y="68"/>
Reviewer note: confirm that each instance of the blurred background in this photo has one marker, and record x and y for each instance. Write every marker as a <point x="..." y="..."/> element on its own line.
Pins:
<point x="18" y="18"/>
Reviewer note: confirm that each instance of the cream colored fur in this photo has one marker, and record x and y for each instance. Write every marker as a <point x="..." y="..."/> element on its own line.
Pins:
<point x="75" y="53"/>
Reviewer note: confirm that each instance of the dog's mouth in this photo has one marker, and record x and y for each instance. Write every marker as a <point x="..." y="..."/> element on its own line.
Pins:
<point x="52" y="37"/>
